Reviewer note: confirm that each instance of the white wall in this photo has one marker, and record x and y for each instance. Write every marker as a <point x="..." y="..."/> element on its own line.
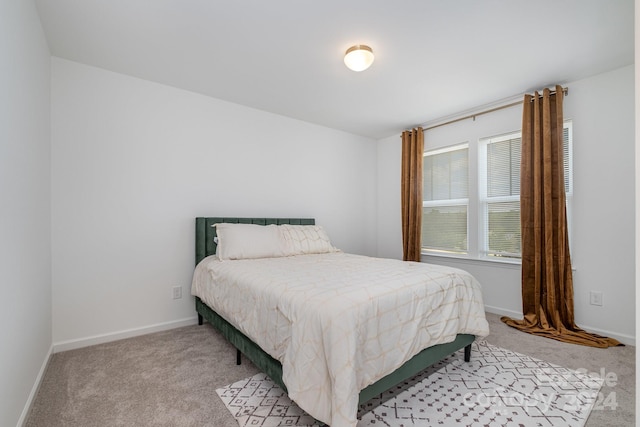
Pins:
<point x="25" y="242"/>
<point x="603" y="248"/>
<point x="134" y="162"/>
<point x="603" y="241"/>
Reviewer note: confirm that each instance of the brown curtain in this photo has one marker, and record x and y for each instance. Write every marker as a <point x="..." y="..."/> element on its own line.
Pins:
<point x="411" y="189"/>
<point x="547" y="283"/>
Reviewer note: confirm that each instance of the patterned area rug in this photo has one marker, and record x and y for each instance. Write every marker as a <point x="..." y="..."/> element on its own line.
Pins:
<point x="497" y="388"/>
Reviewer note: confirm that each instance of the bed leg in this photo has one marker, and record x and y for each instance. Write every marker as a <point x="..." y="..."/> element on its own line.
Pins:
<point x="238" y="358"/>
<point x="467" y="353"/>
<point x="200" y="319"/>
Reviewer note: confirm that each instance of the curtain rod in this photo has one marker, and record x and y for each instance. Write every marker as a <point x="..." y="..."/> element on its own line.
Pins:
<point x="565" y="90"/>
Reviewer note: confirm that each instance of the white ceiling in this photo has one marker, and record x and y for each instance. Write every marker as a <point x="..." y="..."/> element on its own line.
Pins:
<point x="433" y="57"/>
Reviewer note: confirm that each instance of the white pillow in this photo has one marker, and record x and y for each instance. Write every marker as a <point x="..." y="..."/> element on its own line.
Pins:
<point x="306" y="239"/>
<point x="242" y="241"/>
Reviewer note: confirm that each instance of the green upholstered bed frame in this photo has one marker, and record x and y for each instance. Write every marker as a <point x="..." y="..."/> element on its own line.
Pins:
<point x="206" y="246"/>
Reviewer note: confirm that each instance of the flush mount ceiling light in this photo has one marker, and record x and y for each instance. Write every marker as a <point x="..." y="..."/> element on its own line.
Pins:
<point x="358" y="57"/>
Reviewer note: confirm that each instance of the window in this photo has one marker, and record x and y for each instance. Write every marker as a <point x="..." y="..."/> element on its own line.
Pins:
<point x="445" y="200"/>
<point x="448" y="195"/>
<point x="500" y="195"/>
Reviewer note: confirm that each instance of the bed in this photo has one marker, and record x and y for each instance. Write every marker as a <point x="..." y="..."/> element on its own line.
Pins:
<point x="271" y="358"/>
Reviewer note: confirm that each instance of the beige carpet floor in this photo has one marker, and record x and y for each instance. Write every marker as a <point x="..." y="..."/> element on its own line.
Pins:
<point x="169" y="379"/>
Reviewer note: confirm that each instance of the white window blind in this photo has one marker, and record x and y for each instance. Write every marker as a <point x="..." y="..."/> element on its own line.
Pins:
<point x="501" y="196"/>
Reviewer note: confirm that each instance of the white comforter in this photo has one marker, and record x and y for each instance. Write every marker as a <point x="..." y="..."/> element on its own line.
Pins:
<point x="339" y="322"/>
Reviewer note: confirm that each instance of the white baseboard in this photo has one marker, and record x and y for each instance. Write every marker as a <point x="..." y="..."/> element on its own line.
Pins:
<point x="35" y="388"/>
<point x="624" y="339"/>
<point x="502" y="311"/>
<point x="114" y="336"/>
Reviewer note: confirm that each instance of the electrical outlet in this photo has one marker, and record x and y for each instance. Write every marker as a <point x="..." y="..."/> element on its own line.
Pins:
<point x="595" y="298"/>
<point x="177" y="292"/>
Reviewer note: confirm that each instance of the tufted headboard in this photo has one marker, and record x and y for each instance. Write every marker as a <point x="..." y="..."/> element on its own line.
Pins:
<point x="205" y="233"/>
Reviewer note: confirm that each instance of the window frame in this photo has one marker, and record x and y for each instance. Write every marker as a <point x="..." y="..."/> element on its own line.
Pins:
<point x="449" y="202"/>
<point x="484" y="199"/>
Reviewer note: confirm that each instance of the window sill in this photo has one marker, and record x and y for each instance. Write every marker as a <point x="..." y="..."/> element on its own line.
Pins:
<point x="497" y="262"/>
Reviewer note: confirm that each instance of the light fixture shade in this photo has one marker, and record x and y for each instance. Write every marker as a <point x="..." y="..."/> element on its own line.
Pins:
<point x="358" y="57"/>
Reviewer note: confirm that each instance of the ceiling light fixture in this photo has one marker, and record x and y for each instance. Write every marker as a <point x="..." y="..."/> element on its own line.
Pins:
<point x="358" y="57"/>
